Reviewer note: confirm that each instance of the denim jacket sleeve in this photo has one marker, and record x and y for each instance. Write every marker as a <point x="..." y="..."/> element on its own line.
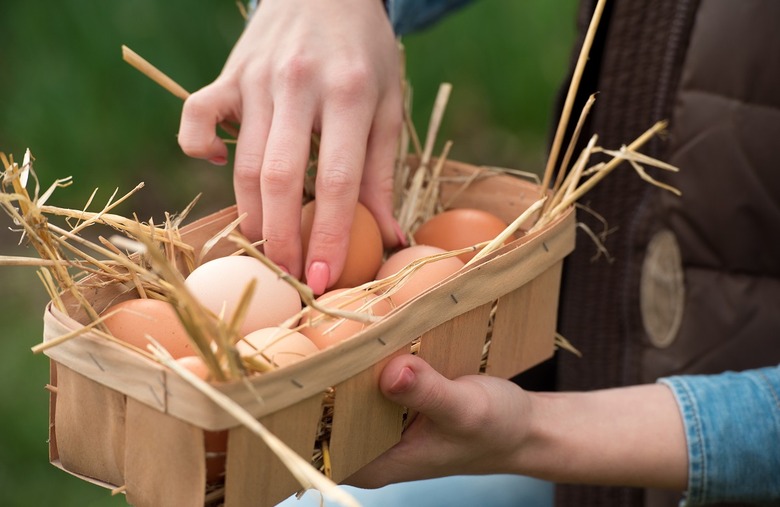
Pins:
<point x="407" y="15"/>
<point x="410" y="15"/>
<point x="732" y="428"/>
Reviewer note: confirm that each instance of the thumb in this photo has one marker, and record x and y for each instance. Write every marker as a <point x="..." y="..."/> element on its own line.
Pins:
<point x="411" y="382"/>
<point x="463" y="425"/>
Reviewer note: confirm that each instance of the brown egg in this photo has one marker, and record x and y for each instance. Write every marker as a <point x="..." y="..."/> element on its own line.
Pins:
<point x="330" y="331"/>
<point x="425" y="277"/>
<point x="132" y="320"/>
<point x="364" y="255"/>
<point x="215" y="442"/>
<point x="276" y="347"/>
<point x="460" y="228"/>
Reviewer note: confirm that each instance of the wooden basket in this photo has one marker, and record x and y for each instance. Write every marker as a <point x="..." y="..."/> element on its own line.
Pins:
<point x="120" y="419"/>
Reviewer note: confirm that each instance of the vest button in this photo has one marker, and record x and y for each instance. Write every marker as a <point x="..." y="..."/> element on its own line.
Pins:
<point x="662" y="289"/>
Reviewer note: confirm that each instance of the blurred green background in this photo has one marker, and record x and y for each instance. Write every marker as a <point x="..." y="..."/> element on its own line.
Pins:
<point x="66" y="93"/>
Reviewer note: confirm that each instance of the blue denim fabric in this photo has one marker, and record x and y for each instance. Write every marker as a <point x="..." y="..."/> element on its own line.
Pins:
<point x="410" y="15"/>
<point x="732" y="428"/>
<point x="458" y="491"/>
<point x="407" y="16"/>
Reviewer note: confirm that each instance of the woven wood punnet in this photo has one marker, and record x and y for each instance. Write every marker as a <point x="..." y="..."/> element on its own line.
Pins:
<point x="121" y="419"/>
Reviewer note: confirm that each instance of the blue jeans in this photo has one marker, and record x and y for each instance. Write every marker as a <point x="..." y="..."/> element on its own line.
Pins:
<point x="465" y="491"/>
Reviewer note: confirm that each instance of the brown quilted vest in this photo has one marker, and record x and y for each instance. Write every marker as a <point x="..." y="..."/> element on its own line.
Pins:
<point x="694" y="284"/>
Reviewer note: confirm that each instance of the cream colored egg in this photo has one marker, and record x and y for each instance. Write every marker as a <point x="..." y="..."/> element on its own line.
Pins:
<point x="276" y="347"/>
<point x="219" y="284"/>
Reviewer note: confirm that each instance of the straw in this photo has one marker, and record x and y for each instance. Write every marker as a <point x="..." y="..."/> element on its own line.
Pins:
<point x="563" y="122"/>
<point x="166" y="82"/>
<point x="499" y="240"/>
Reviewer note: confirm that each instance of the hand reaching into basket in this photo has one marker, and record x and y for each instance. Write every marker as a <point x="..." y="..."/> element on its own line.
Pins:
<point x="484" y="425"/>
<point x="331" y="68"/>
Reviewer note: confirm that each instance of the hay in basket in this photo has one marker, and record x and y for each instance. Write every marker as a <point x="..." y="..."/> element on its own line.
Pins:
<point x="135" y="421"/>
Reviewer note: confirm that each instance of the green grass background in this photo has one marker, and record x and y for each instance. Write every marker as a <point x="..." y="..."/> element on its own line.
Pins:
<point x="67" y="95"/>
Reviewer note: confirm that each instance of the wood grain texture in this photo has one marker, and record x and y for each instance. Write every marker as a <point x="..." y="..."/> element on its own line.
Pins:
<point x="524" y="327"/>
<point x="255" y="476"/>
<point x="454" y="348"/>
<point x="89" y="427"/>
<point x="365" y="423"/>
<point x="165" y="461"/>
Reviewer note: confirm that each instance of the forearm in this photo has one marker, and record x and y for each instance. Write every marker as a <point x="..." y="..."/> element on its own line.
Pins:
<point x="630" y="436"/>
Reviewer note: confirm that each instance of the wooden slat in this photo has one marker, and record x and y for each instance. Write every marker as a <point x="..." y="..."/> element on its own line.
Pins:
<point x="165" y="461"/>
<point x="255" y="476"/>
<point x="525" y="324"/>
<point x="89" y="427"/>
<point x="365" y="423"/>
<point x="505" y="196"/>
<point x="455" y="348"/>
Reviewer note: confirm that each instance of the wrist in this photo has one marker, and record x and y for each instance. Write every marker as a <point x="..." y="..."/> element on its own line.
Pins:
<point x="532" y="452"/>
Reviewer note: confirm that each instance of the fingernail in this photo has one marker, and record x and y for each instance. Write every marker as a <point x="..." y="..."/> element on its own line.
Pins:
<point x="219" y="160"/>
<point x="403" y="382"/>
<point x="317" y="277"/>
<point x="284" y="268"/>
<point x="399" y="234"/>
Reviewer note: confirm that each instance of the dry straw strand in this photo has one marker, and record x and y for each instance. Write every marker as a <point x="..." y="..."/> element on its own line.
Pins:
<point x="506" y="233"/>
<point x="153" y="73"/>
<point x="439" y="107"/>
<point x="572" y="93"/>
<point x="572" y="143"/>
<point x="163" y="80"/>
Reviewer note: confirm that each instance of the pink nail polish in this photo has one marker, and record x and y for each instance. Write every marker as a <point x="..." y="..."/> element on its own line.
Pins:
<point x="219" y="160"/>
<point x="317" y="277"/>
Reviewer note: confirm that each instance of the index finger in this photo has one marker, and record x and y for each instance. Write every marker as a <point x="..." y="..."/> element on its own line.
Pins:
<point x="250" y="149"/>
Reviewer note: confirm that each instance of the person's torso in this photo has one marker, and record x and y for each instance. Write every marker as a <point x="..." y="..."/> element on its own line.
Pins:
<point x="693" y="286"/>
